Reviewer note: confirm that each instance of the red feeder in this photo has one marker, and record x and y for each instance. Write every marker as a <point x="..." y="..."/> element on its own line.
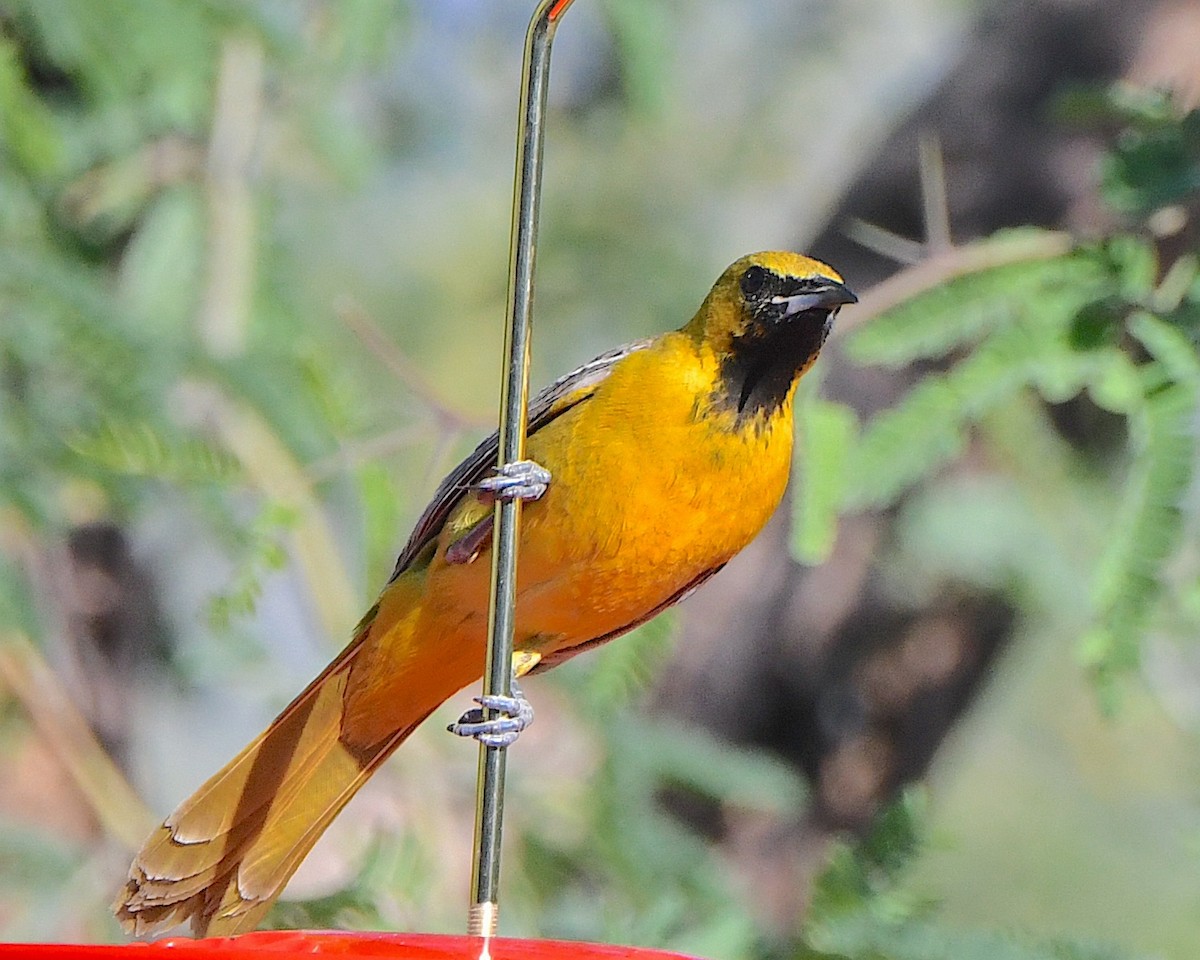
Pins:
<point x="266" y="944"/>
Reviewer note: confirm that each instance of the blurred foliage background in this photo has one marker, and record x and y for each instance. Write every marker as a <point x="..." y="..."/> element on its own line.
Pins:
<point x="252" y="269"/>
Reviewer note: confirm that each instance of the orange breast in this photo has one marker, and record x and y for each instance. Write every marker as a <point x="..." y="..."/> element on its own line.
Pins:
<point x="651" y="489"/>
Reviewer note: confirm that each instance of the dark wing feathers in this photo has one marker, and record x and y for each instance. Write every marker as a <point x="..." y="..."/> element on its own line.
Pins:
<point x="551" y="403"/>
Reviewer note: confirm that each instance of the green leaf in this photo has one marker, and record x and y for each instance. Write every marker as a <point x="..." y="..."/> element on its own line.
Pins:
<point x="1150" y="521"/>
<point x="1135" y="263"/>
<point x="28" y="134"/>
<point x="860" y="873"/>
<point x="640" y="32"/>
<point x="692" y="758"/>
<point x="357" y="32"/>
<point x="264" y="552"/>
<point x="161" y="268"/>
<point x="827" y="432"/>
<point x="1034" y="348"/>
<point x="382" y="507"/>
<point x="138" y="448"/>
<point x="965" y="309"/>
<point x="858" y="911"/>
<point x="905" y="443"/>
<point x="1114" y="383"/>
<point x="622" y="669"/>
<point x="929" y="426"/>
<point x="1155" y="161"/>
<point x="1175" y="285"/>
<point x="1168" y="346"/>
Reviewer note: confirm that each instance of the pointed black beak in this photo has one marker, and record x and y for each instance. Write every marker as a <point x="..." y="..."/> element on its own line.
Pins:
<point x="820" y="293"/>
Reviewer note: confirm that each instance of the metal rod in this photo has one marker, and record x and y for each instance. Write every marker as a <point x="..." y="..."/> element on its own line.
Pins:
<point x="514" y="407"/>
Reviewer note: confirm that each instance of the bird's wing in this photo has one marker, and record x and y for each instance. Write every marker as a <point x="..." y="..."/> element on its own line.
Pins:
<point x="550" y="404"/>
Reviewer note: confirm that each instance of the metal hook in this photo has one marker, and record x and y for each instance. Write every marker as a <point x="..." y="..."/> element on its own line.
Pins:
<point x="514" y="407"/>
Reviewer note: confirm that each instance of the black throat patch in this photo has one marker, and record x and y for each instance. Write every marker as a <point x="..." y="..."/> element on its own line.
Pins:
<point x="762" y="364"/>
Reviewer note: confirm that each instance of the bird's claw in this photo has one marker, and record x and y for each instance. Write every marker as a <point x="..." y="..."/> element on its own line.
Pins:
<point x="519" y="480"/>
<point x="512" y="715"/>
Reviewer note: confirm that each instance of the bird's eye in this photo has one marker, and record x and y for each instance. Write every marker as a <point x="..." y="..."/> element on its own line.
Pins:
<point x="753" y="281"/>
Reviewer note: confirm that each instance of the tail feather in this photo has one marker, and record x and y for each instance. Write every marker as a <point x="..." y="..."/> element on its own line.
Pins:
<point x="268" y="865"/>
<point x="221" y="859"/>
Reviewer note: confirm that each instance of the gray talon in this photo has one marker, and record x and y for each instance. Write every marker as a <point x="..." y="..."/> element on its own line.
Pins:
<point x="520" y="480"/>
<point x="514" y="714"/>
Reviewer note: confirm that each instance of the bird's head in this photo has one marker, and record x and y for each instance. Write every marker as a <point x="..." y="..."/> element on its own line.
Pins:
<point x="766" y="320"/>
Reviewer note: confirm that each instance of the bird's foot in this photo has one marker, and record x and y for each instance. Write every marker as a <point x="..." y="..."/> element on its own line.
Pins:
<point x="519" y="480"/>
<point x="511" y="715"/>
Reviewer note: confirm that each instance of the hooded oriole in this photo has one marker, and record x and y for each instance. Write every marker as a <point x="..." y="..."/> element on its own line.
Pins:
<point x="667" y="457"/>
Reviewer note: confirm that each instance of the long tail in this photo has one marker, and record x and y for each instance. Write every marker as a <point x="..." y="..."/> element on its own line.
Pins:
<point x="221" y="859"/>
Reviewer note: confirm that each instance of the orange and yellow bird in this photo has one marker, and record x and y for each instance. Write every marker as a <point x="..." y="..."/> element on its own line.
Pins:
<point x="650" y="467"/>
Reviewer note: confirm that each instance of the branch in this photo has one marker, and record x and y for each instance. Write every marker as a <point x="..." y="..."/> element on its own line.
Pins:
<point x="116" y="804"/>
<point x="951" y="264"/>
